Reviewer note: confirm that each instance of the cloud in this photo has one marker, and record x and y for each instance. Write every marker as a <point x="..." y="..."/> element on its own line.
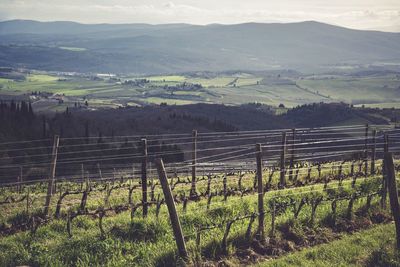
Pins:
<point x="169" y="5"/>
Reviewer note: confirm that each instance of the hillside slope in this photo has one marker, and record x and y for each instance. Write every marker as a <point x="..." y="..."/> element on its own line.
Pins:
<point x="142" y="48"/>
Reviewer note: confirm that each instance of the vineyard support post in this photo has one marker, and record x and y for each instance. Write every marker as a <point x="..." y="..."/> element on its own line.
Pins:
<point x="52" y="174"/>
<point x="99" y="170"/>
<point x="144" y="177"/>
<point x="393" y="195"/>
<point x="373" y="152"/>
<point x="292" y="155"/>
<point x="384" y="172"/>
<point x="282" y="180"/>
<point x="27" y="200"/>
<point x="260" y="191"/>
<point x="366" y="149"/>
<point x="169" y="200"/>
<point x="273" y="210"/>
<point x="224" y="181"/>
<point x="82" y="176"/>
<point x="193" y="191"/>
<point x="20" y="180"/>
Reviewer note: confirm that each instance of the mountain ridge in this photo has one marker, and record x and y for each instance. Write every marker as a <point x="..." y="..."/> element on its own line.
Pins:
<point x="161" y="48"/>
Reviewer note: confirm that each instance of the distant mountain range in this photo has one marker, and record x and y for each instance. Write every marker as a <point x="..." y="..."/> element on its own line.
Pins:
<point x="171" y="48"/>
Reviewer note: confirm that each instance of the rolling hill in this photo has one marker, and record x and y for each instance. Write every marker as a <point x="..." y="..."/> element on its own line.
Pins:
<point x="143" y="48"/>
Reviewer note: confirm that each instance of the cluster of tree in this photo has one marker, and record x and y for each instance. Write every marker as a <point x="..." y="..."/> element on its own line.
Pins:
<point x="40" y="93"/>
<point x="10" y="73"/>
<point x="325" y="114"/>
<point x="216" y="125"/>
<point x="136" y="82"/>
<point x="183" y="87"/>
<point x="319" y="114"/>
<point x="98" y="133"/>
<point x="16" y="120"/>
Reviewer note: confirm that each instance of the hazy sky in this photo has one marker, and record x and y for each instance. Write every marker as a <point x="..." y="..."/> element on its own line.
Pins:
<point x="360" y="14"/>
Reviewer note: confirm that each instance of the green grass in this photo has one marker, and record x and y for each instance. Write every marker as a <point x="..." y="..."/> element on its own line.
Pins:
<point x="41" y="78"/>
<point x="144" y="242"/>
<point x="358" y="90"/>
<point x="352" y="250"/>
<point x="221" y="81"/>
<point x="247" y="81"/>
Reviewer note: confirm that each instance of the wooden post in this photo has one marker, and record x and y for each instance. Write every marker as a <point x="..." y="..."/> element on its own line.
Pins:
<point x="224" y="183"/>
<point x="169" y="200"/>
<point x="384" y="173"/>
<point x="373" y="156"/>
<point x="20" y="180"/>
<point x="292" y="155"/>
<point x="193" y="191"/>
<point x="282" y="180"/>
<point x="88" y="180"/>
<point x="393" y="195"/>
<point x="272" y="233"/>
<point x="366" y="149"/>
<point x="144" y="177"/>
<point x="82" y="176"/>
<point x="27" y="200"/>
<point x="99" y="170"/>
<point x="260" y="192"/>
<point x="52" y="174"/>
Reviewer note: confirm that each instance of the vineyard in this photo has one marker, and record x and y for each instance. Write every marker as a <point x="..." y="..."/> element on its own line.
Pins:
<point x="207" y="199"/>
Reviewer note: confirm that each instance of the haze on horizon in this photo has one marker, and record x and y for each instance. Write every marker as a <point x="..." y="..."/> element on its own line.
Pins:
<point x="358" y="14"/>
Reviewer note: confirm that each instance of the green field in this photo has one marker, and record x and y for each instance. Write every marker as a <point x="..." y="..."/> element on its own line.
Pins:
<point x="355" y="90"/>
<point x="373" y="247"/>
<point x="235" y="89"/>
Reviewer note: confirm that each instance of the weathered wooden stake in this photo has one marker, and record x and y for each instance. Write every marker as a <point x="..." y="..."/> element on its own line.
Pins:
<point x="27" y="200"/>
<point x="260" y="191"/>
<point x="52" y="174"/>
<point x="99" y="170"/>
<point x="366" y="149"/>
<point x="393" y="195"/>
<point x="144" y="177"/>
<point x="272" y="233"/>
<point x="282" y="180"/>
<point x="292" y="155"/>
<point x="69" y="230"/>
<point x="193" y="190"/>
<point x="224" y="182"/>
<point x="384" y="176"/>
<point x="319" y="170"/>
<point x="176" y="226"/>
<point x="373" y="152"/>
<point x="82" y="176"/>
<point x="20" y="180"/>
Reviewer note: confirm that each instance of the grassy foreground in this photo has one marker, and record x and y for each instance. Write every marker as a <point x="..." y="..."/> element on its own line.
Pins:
<point x="372" y="247"/>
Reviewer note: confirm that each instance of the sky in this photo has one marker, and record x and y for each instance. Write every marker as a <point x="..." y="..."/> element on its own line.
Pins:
<point x="358" y="14"/>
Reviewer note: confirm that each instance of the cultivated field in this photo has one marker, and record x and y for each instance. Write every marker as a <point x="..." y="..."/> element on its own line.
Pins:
<point x="231" y="89"/>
